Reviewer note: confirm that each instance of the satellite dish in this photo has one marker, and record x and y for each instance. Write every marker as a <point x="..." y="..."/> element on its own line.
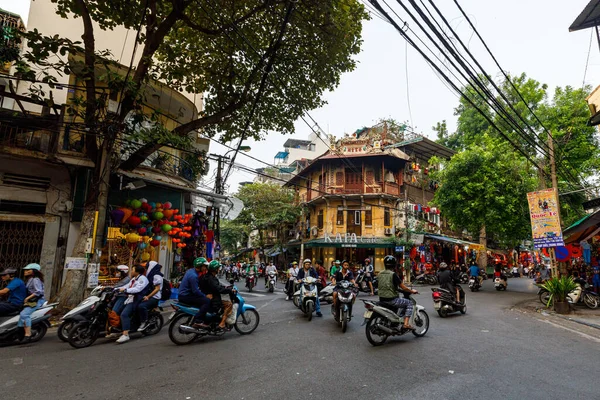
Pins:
<point x="233" y="208"/>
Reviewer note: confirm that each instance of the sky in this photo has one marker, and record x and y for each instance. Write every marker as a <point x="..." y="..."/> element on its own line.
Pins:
<point x="394" y="81"/>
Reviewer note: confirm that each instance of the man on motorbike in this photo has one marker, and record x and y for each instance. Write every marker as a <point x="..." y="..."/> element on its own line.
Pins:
<point x="390" y="284"/>
<point x="322" y="274"/>
<point x="292" y="275"/>
<point x="308" y="270"/>
<point x="447" y="279"/>
<point x="334" y="268"/>
<point x="190" y="293"/>
<point x="343" y="275"/>
<point x="270" y="268"/>
<point x="251" y="268"/>
<point x="16" y="291"/>
<point x="369" y="274"/>
<point x="475" y="272"/>
<point x="213" y="289"/>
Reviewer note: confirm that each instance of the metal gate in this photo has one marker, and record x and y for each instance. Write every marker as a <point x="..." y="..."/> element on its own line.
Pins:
<point x="20" y="243"/>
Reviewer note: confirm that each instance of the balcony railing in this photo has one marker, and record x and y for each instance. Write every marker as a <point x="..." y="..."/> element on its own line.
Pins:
<point x="389" y="188"/>
<point x="37" y="140"/>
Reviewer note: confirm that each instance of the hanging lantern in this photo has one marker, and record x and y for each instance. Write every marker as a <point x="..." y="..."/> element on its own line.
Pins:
<point x="126" y="214"/>
<point x="134" y="221"/>
<point x="154" y="243"/>
<point x="132" y="237"/>
<point x="135" y="204"/>
<point x="145" y="256"/>
<point x="157" y="215"/>
<point x="166" y="228"/>
<point x="117" y="216"/>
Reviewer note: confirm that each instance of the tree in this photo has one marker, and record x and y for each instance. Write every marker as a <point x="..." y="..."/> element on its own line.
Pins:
<point x="484" y="188"/>
<point x="233" y="236"/>
<point x="267" y="207"/>
<point x="269" y="59"/>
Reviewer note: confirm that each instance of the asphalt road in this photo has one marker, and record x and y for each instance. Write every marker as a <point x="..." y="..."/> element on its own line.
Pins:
<point x="492" y="352"/>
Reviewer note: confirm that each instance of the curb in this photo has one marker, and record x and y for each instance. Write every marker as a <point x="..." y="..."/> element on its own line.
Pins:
<point x="591" y="325"/>
<point x="522" y="305"/>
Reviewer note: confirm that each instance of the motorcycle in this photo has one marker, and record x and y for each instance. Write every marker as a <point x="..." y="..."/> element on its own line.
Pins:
<point x="10" y="333"/>
<point x="77" y="314"/>
<point x="445" y="302"/>
<point x="250" y="281"/>
<point x="326" y="294"/>
<point x="500" y="284"/>
<point x="383" y="321"/>
<point x="346" y="294"/>
<point x="181" y="330"/>
<point x="583" y="293"/>
<point x="307" y="296"/>
<point x="362" y="283"/>
<point x="96" y="322"/>
<point x="272" y="281"/>
<point x="474" y="284"/>
<point x="425" y="279"/>
<point x="463" y="277"/>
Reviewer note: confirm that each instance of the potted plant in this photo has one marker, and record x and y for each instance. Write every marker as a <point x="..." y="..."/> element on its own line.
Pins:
<point x="559" y="289"/>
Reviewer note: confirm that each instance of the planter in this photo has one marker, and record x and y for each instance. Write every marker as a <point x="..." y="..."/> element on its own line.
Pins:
<point x="562" y="307"/>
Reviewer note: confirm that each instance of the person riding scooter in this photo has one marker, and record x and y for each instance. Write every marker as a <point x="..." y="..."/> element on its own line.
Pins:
<point x="343" y="275"/>
<point x="390" y="286"/>
<point x="15" y="291"/>
<point x="447" y="280"/>
<point x="475" y="272"/>
<point x="308" y="270"/>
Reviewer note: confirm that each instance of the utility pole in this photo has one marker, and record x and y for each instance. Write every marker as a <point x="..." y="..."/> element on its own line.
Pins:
<point x="555" y="186"/>
<point x="219" y="189"/>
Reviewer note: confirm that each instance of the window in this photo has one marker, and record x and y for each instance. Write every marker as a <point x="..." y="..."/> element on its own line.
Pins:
<point x="339" y="178"/>
<point x="370" y="177"/>
<point x="320" y="219"/>
<point x="386" y="217"/>
<point x="356" y="217"/>
<point x="340" y="217"/>
<point x="368" y="217"/>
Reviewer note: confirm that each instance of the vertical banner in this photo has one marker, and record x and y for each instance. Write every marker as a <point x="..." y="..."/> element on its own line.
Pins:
<point x="545" y="222"/>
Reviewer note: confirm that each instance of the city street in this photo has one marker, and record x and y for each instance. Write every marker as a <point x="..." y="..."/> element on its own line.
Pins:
<point x="492" y="352"/>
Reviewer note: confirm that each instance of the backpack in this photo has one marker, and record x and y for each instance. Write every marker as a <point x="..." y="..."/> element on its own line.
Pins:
<point x="165" y="292"/>
<point x="155" y="271"/>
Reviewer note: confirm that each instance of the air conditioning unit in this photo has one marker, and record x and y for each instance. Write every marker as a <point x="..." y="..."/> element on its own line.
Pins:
<point x="387" y="231"/>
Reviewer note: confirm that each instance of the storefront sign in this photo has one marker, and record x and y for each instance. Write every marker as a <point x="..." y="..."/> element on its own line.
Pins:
<point x="78" y="263"/>
<point x="399" y="249"/>
<point x="93" y="273"/>
<point x="545" y="224"/>
<point x="347" y="238"/>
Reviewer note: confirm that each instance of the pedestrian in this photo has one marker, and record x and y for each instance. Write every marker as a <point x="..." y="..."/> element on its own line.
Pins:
<point x="35" y="297"/>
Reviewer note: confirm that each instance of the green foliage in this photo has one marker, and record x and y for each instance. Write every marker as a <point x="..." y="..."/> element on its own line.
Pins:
<point x="559" y="288"/>
<point x="233" y="236"/>
<point x="486" y="185"/>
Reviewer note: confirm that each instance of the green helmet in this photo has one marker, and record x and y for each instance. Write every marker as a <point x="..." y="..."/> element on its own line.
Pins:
<point x="214" y="265"/>
<point x="200" y="261"/>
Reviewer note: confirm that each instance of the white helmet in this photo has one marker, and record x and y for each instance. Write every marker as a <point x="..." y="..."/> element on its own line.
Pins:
<point x="123" y="268"/>
<point x="307" y="261"/>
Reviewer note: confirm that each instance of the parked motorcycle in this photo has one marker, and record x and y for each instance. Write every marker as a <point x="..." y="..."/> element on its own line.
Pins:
<point x="245" y="320"/>
<point x="425" y="279"/>
<point x="307" y="296"/>
<point x="326" y="294"/>
<point x="346" y="294"/>
<point x="582" y="294"/>
<point x="272" y="281"/>
<point x="362" y="283"/>
<point x="474" y="284"/>
<point x="500" y="284"/>
<point x="10" y="333"/>
<point x="383" y="321"/>
<point x="85" y="333"/>
<point x="445" y="302"/>
<point x="77" y="314"/>
<point x="251" y="281"/>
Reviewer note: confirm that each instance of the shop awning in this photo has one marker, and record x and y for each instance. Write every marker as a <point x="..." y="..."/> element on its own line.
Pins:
<point x="589" y="17"/>
<point x="364" y="243"/>
<point x="583" y="229"/>
<point x="444" y="238"/>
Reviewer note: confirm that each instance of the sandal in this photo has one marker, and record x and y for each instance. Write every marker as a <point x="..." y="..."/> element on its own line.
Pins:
<point x="410" y="328"/>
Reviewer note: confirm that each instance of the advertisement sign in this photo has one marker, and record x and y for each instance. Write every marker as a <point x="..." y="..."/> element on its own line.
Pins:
<point x="545" y="223"/>
<point x="75" y="263"/>
<point x="93" y="273"/>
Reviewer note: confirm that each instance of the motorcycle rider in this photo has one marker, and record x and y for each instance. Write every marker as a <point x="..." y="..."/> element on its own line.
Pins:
<point x="322" y="274"/>
<point x="16" y="291"/>
<point x="151" y="299"/>
<point x="190" y="293"/>
<point x="498" y="274"/>
<point x="447" y="280"/>
<point x="270" y="268"/>
<point x="308" y="270"/>
<point x="134" y="291"/>
<point x="343" y="275"/>
<point x="475" y="272"/>
<point x="213" y="289"/>
<point x="35" y="297"/>
<point x="119" y="302"/>
<point x="251" y="268"/>
<point x="596" y="278"/>
<point x="389" y="286"/>
<point x="369" y="274"/>
<point x="334" y="268"/>
<point x="292" y="275"/>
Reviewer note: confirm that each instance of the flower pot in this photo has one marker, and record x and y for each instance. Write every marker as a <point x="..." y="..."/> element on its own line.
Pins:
<point x="562" y="307"/>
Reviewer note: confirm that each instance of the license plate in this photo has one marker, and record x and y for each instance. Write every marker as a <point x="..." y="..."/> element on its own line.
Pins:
<point x="172" y="315"/>
<point x="368" y="314"/>
<point x="437" y="305"/>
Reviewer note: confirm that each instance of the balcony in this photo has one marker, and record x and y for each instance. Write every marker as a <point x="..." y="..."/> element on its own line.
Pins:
<point x="389" y="188"/>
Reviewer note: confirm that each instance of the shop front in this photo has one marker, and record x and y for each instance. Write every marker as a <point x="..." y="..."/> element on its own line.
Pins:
<point x="354" y="249"/>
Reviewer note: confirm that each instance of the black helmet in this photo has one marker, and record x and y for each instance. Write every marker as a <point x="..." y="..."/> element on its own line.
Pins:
<point x="389" y="262"/>
<point x="443" y="265"/>
<point x="345" y="261"/>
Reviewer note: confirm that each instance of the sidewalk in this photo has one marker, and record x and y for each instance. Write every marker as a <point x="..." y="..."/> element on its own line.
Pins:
<point x="580" y="315"/>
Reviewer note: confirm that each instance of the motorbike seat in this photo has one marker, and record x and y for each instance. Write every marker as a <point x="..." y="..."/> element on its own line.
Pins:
<point x="12" y="313"/>
<point x="389" y="305"/>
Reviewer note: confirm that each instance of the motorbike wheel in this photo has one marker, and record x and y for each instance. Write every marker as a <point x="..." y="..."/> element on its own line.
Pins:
<point x="309" y="311"/>
<point x="271" y="289"/>
<point x="544" y="297"/>
<point x="178" y="337"/>
<point x="247" y="322"/>
<point x="38" y="332"/>
<point x="463" y="309"/>
<point x="590" y="300"/>
<point x="472" y="288"/>
<point x="64" y="329"/>
<point x="464" y="279"/>
<point x="422" y="323"/>
<point x="374" y="336"/>
<point x="296" y="300"/>
<point x="443" y="313"/>
<point x="498" y="288"/>
<point x="155" y="324"/>
<point x="83" y="335"/>
<point x="344" y="321"/>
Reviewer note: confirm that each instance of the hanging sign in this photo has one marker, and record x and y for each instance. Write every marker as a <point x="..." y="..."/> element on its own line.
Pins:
<point x="93" y="273"/>
<point x="78" y="263"/>
<point x="545" y="223"/>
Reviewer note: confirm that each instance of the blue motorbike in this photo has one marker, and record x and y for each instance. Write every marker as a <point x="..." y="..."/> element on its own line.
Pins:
<point x="181" y="330"/>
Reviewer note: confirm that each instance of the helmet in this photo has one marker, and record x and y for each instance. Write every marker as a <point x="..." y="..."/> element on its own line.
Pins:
<point x="367" y="259"/>
<point x="214" y="265"/>
<point x="337" y="261"/>
<point x="294" y="263"/>
<point x="345" y="262"/>
<point x="200" y="261"/>
<point x="443" y="265"/>
<point x="33" y="266"/>
<point x="8" y="271"/>
<point x="389" y="262"/>
<point x="307" y="261"/>
<point x="123" y="268"/>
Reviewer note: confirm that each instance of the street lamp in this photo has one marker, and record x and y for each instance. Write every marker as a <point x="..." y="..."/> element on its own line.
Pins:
<point x="467" y="255"/>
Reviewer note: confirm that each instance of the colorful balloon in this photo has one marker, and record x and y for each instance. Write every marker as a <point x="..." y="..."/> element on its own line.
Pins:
<point x="134" y="221"/>
<point x="135" y="204"/>
<point x="166" y="228"/>
<point x="167" y="205"/>
<point x="158" y="237"/>
<point x="142" y="231"/>
<point x="157" y="215"/>
<point x="142" y="245"/>
<point x="145" y="256"/>
<point x="117" y="216"/>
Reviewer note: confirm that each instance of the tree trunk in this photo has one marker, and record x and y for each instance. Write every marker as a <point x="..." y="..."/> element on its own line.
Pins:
<point x="483" y="241"/>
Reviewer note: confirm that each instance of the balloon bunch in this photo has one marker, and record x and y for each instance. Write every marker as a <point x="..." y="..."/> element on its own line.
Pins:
<point x="180" y="231"/>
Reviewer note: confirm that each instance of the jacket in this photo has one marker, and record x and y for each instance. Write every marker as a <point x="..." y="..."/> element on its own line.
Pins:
<point x="189" y="285"/>
<point x="387" y="289"/>
<point x="210" y="285"/>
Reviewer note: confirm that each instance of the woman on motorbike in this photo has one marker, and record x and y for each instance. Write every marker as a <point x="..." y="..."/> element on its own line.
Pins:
<point x="134" y="291"/>
<point x="123" y="274"/>
<point x="35" y="297"/>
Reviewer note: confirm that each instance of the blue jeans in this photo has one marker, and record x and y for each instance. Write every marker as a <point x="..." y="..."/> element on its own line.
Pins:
<point x="318" y="305"/>
<point x="25" y="317"/>
<point x="145" y="307"/>
<point x="126" y="315"/>
<point x="119" y="304"/>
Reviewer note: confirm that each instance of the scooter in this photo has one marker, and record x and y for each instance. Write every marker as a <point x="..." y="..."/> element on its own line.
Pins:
<point x="382" y="320"/>
<point x="463" y="277"/>
<point x="474" y="284"/>
<point x="181" y="331"/>
<point x="77" y="314"/>
<point x="307" y="296"/>
<point x="10" y="333"/>
<point x="346" y="294"/>
<point x="272" y="281"/>
<point x="250" y="281"/>
<point x="362" y="283"/>
<point x="326" y="294"/>
<point x="445" y="302"/>
<point x="500" y="284"/>
<point x="425" y="279"/>
<point x="583" y="294"/>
